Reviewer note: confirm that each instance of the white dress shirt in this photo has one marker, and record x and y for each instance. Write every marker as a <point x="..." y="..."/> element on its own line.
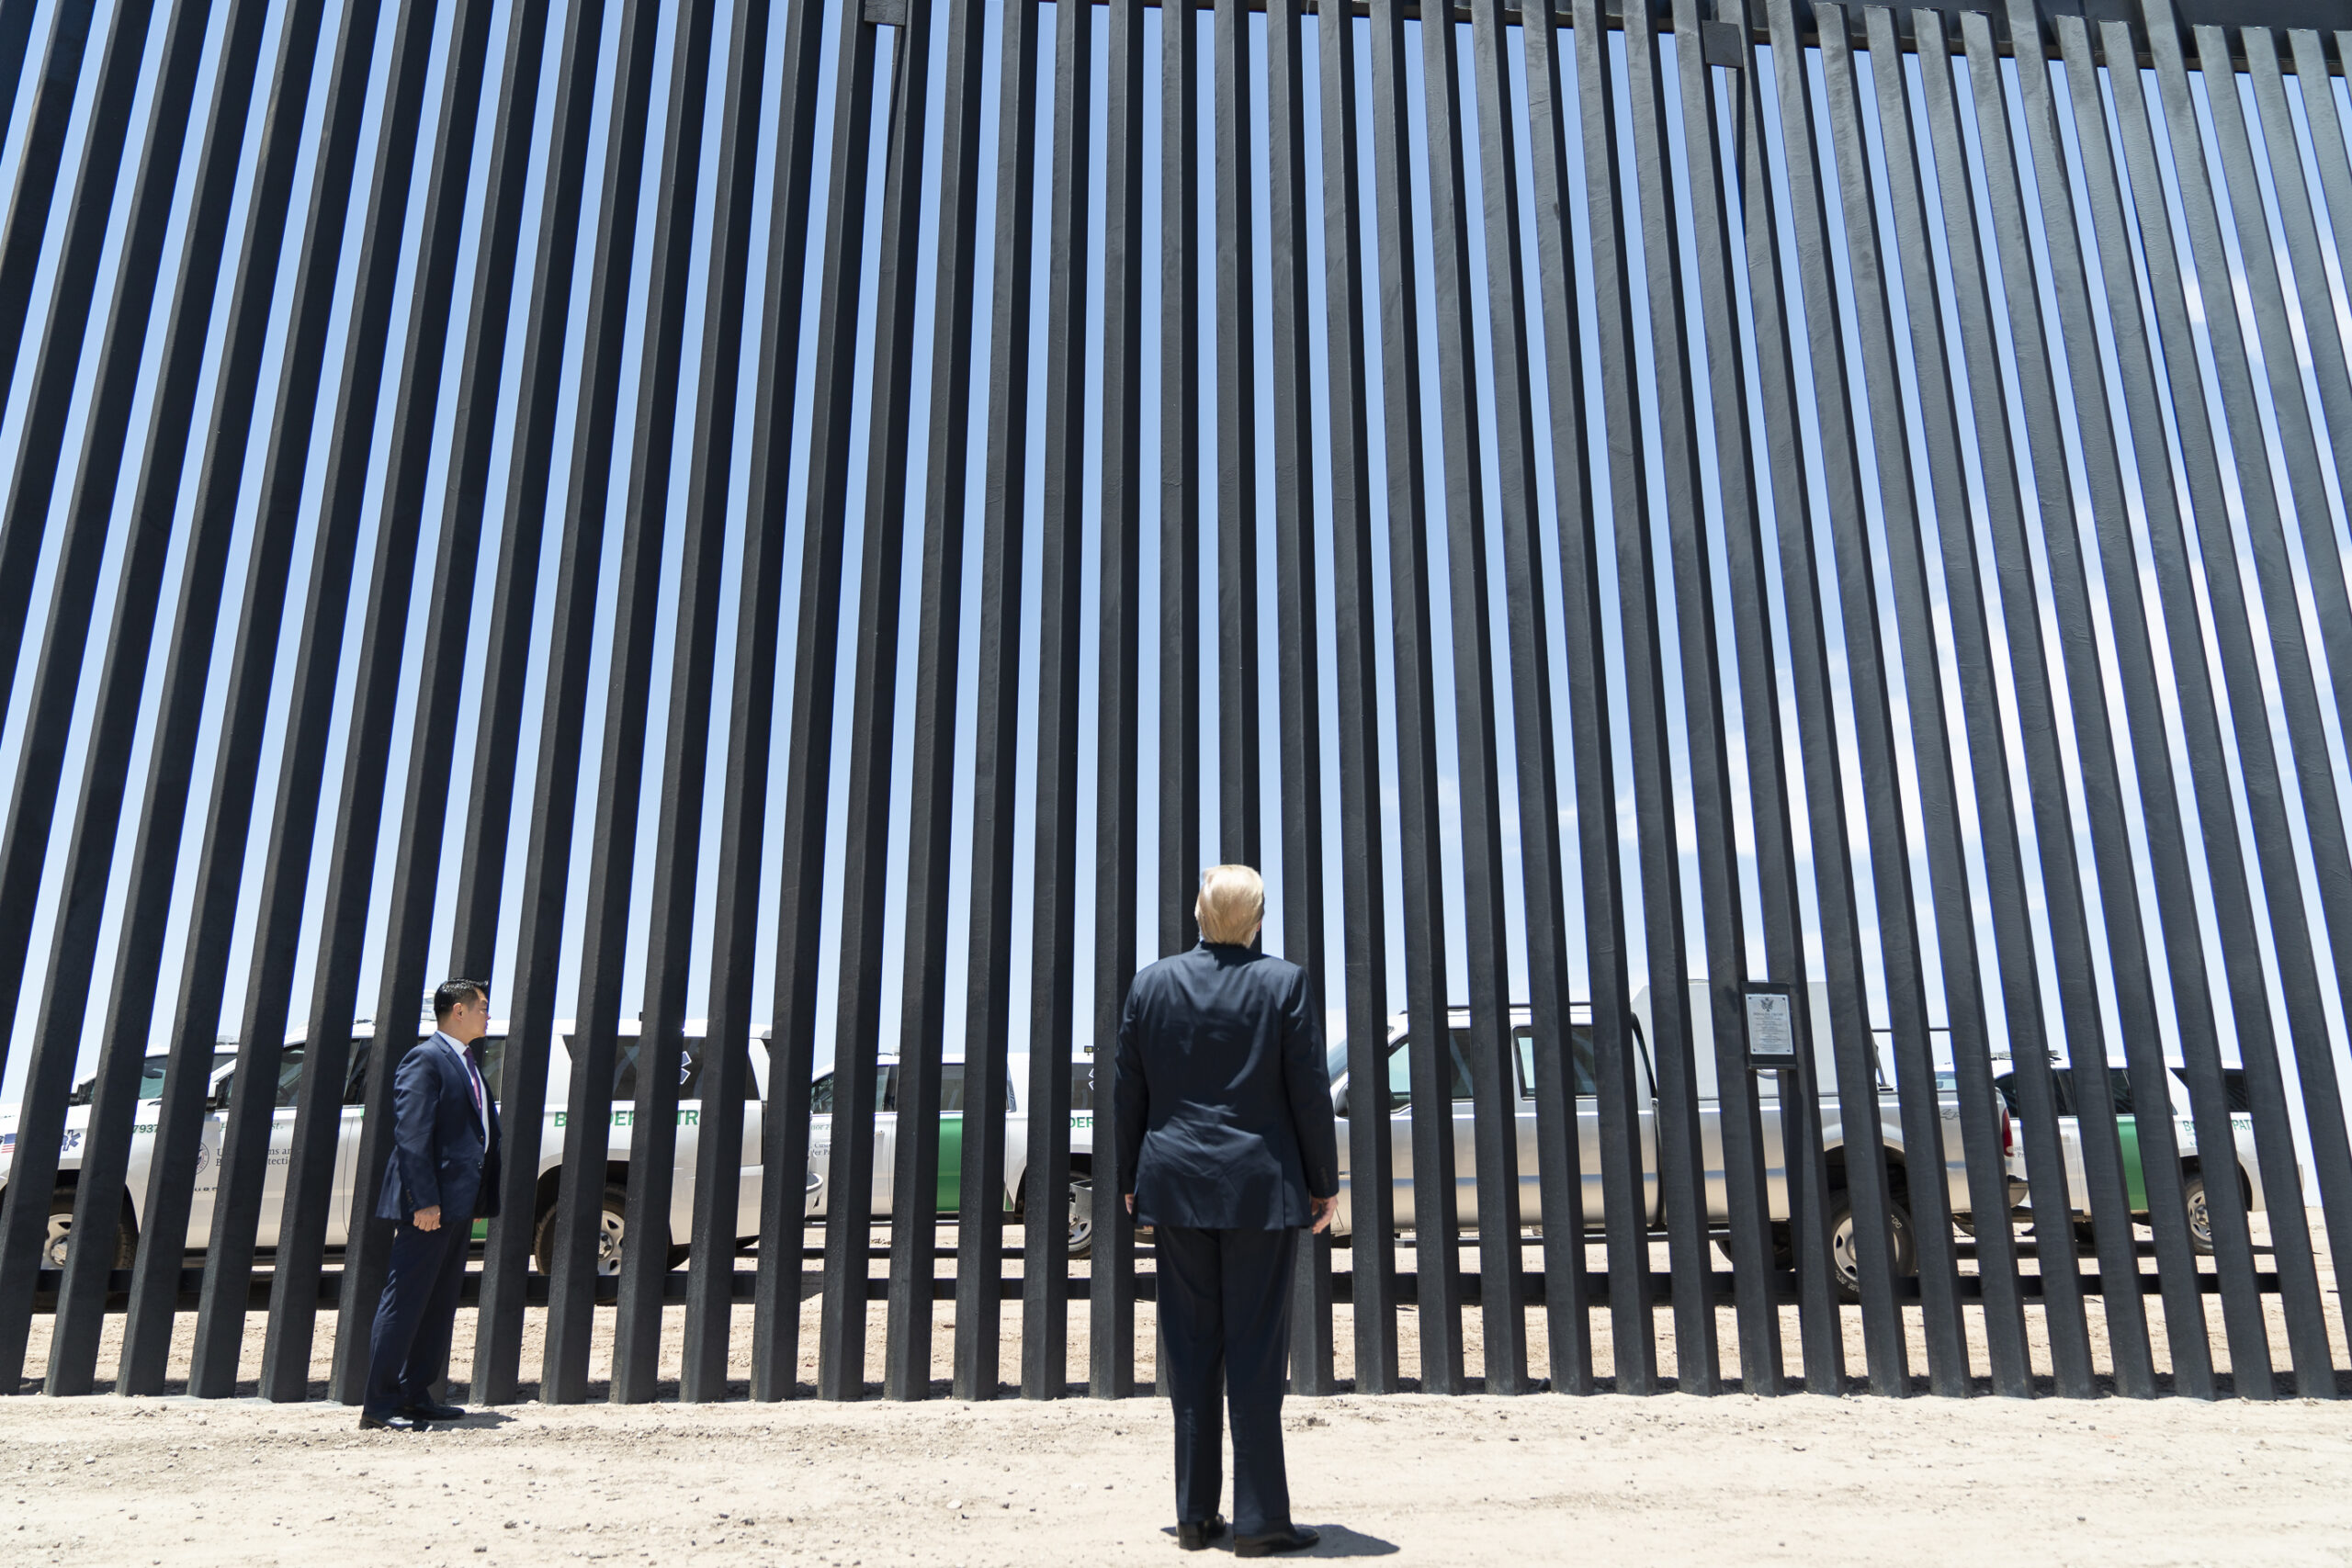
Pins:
<point x="465" y="1062"/>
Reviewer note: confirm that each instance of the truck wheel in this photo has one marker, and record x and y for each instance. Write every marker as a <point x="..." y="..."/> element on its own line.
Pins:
<point x="611" y="1226"/>
<point x="1081" y="1216"/>
<point x="61" y="1228"/>
<point x="1842" y="1256"/>
<point x="2201" y="1216"/>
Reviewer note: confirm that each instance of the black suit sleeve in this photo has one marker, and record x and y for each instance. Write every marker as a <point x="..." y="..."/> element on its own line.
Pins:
<point x="1310" y="1085"/>
<point x="416" y="1103"/>
<point x="1131" y="1098"/>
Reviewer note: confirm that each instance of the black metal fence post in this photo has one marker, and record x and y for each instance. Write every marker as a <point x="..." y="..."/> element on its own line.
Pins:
<point x="257" y="1090"/>
<point x="1427" y="1027"/>
<point x="841" y="1363"/>
<point x="1110" y="1323"/>
<point x="1047" y="1177"/>
<point x="416" y="877"/>
<point x="530" y="1000"/>
<point x="1357" y="634"/>
<point x="727" y="1080"/>
<point x="57" y="1032"/>
<point x="982" y="1198"/>
<point x="1746" y="1198"/>
<point x="914" y="1221"/>
<point x="579" y="1237"/>
<point x="145" y="906"/>
<point x="654" y="1119"/>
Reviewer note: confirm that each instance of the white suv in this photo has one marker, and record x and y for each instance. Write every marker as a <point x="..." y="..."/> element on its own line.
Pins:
<point x="951" y="1140"/>
<point x="199" y="1229"/>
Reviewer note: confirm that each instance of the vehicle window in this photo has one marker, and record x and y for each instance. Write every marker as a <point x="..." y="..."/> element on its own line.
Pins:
<point x="2121" y="1079"/>
<point x="493" y="1062"/>
<point x="1400" y="1070"/>
<point x="151" y="1082"/>
<point x="2061" y="1087"/>
<point x="2233" y="1081"/>
<point x="1335" y="1060"/>
<point x="951" y="1089"/>
<point x="1582" y="1062"/>
<point x="1081" y="1085"/>
<point x="290" y="1076"/>
<point x="2070" y="1103"/>
<point x="886" y="1092"/>
<point x="689" y="1058"/>
<point x="493" y="1049"/>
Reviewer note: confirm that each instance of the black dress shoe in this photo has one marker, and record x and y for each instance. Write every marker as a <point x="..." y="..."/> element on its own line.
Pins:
<point x="1194" y="1535"/>
<point x="398" y="1421"/>
<point x="1289" y="1539"/>
<point x="430" y="1412"/>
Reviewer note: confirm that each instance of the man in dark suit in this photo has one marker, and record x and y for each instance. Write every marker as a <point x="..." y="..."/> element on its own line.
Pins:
<point x="1227" y="1149"/>
<point x="443" y="1174"/>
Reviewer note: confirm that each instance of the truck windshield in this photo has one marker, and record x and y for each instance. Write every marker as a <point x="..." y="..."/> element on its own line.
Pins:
<point x="1580" y="1061"/>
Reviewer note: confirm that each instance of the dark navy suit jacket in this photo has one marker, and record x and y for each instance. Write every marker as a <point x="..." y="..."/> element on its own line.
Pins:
<point x="440" y="1154"/>
<point x="1224" y="1103"/>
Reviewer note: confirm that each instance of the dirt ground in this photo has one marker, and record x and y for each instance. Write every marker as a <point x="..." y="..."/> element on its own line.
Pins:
<point x="1540" y="1479"/>
<point x="1424" y="1478"/>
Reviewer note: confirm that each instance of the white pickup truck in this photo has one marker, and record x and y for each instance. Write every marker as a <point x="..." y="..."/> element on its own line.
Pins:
<point x="1901" y="1170"/>
<point x="134" y="1196"/>
<point x="951" y="1140"/>
<point x="2193" y="1169"/>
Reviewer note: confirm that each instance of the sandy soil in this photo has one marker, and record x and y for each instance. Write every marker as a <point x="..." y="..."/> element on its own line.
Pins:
<point x="1544" y="1478"/>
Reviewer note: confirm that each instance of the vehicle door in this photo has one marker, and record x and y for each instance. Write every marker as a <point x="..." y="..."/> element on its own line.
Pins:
<point x="820" y="1131"/>
<point x="694" y="1103"/>
<point x="886" y="1136"/>
<point x="684" y="1161"/>
<point x="144" y="1118"/>
<point x="950" y="1184"/>
<point x="679" y="1056"/>
<point x="2127" y="1132"/>
<point x="1457" y="1127"/>
<point x="748" y="1190"/>
<point x="2070" y="1138"/>
<point x="281" y="1145"/>
<point x="493" y="1067"/>
<point x="1588" y="1113"/>
<point x="1588" y="1122"/>
<point x="353" y="1112"/>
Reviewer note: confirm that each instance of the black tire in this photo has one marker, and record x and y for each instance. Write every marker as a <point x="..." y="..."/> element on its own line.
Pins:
<point x="1842" y="1258"/>
<point x="1081" y="1217"/>
<point x="2201" y="1216"/>
<point x="613" y="1227"/>
<point x="61" y="1225"/>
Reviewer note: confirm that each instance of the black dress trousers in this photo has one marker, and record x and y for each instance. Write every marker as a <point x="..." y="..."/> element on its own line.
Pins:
<point x="1225" y="1315"/>
<point x="408" y="1349"/>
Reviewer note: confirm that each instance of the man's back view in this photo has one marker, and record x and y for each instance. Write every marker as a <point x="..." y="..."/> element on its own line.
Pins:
<point x="1227" y="1148"/>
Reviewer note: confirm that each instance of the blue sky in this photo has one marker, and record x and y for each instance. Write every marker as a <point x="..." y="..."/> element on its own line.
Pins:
<point x="608" y="513"/>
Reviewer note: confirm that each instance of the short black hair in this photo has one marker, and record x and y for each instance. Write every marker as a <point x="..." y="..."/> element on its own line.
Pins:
<point x="451" y="994"/>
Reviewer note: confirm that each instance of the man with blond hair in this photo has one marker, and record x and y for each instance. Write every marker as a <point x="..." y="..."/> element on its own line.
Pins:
<point x="1227" y="1149"/>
